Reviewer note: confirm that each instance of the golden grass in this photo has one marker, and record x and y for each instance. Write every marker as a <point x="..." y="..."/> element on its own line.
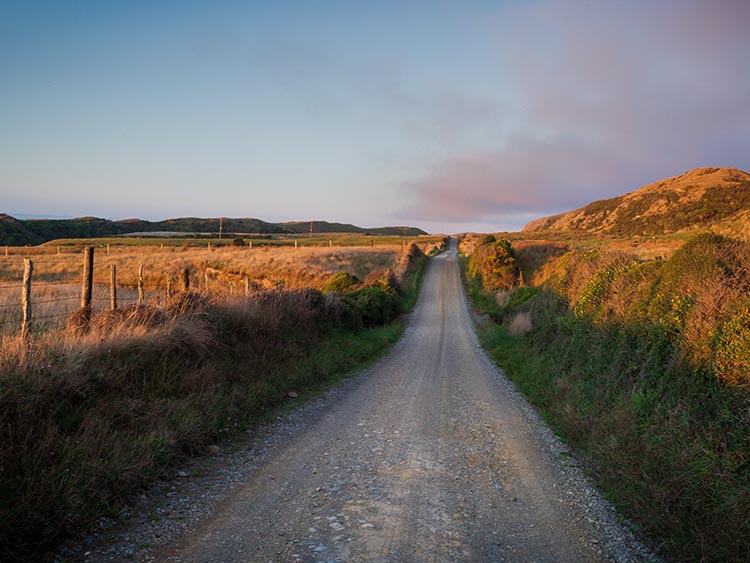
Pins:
<point x="220" y="271"/>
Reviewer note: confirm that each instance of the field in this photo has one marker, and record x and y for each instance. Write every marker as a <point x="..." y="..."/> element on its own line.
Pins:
<point x="638" y="354"/>
<point x="215" y="266"/>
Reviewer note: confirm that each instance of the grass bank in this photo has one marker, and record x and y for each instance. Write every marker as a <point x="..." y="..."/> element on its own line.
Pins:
<point x="90" y="417"/>
<point x="645" y="398"/>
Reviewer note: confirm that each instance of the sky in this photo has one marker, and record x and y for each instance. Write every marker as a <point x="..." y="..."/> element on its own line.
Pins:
<point x="451" y="116"/>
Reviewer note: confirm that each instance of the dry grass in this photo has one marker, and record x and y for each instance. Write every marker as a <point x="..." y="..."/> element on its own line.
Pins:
<point x="220" y="271"/>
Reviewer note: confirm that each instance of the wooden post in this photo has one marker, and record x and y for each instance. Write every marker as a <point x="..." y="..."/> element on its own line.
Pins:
<point x="330" y="243"/>
<point x="140" y="284"/>
<point x="6" y="249"/>
<point x="205" y="282"/>
<point x="209" y="246"/>
<point x="107" y="248"/>
<point x="295" y="244"/>
<point x="251" y="245"/>
<point x="28" y="269"/>
<point x="169" y="285"/>
<point x="87" y="281"/>
<point x="58" y="250"/>
<point x="161" y="249"/>
<point x="113" y="288"/>
<point x="186" y="279"/>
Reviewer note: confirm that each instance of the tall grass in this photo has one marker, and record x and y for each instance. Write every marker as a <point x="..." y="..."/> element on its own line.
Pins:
<point x="643" y="367"/>
<point x="90" y="416"/>
<point x="220" y="271"/>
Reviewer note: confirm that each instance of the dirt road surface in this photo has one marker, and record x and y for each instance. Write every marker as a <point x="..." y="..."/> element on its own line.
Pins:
<point x="430" y="455"/>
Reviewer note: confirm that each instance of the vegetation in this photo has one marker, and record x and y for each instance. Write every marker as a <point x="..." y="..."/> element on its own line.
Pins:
<point x="495" y="262"/>
<point x="92" y="413"/>
<point x="716" y="198"/>
<point x="35" y="231"/>
<point x="643" y="368"/>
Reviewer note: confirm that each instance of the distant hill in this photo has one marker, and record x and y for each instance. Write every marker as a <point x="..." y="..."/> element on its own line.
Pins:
<point x="704" y="198"/>
<point x="18" y="232"/>
<point x="303" y="227"/>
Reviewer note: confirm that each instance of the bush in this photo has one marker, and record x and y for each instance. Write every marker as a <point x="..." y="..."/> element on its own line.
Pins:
<point x="376" y="305"/>
<point x="495" y="262"/>
<point x="385" y="280"/>
<point x="341" y="282"/>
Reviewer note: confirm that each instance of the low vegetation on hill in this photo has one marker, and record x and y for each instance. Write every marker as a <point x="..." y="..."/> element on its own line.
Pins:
<point x="17" y="232"/>
<point x="704" y="198"/>
<point x="93" y="412"/>
<point x="643" y="367"/>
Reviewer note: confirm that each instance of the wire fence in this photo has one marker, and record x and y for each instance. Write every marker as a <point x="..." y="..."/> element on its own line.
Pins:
<point x="38" y="296"/>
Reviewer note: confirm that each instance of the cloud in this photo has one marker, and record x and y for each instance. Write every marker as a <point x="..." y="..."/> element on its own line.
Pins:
<point x="613" y="96"/>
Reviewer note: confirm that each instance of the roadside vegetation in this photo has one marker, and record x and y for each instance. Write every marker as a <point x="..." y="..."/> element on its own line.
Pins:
<point x="94" y="412"/>
<point x="644" y="367"/>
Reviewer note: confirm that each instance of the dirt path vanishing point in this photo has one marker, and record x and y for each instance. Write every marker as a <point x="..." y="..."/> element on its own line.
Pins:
<point x="430" y="455"/>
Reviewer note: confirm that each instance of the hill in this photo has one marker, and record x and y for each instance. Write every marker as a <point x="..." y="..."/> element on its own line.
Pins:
<point x="18" y="232"/>
<point x="703" y="198"/>
<point x="303" y="227"/>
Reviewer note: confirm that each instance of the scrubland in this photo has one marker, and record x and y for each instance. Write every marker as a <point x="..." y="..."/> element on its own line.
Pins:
<point x="94" y="410"/>
<point x="642" y="363"/>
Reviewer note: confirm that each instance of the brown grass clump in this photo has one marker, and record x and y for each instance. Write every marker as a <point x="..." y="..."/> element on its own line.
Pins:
<point x="520" y="324"/>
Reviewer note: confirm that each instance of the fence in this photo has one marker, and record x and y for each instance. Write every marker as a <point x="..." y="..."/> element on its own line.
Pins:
<point x="44" y="299"/>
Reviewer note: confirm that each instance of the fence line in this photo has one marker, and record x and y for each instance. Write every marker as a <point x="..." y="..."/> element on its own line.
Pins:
<point x="25" y="312"/>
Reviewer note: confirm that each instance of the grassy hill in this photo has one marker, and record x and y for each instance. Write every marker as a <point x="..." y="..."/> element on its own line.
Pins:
<point x="704" y="198"/>
<point x="18" y="232"/>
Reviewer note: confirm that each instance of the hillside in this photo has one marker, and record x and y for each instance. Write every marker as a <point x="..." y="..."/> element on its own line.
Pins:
<point x="704" y="198"/>
<point x="18" y="232"/>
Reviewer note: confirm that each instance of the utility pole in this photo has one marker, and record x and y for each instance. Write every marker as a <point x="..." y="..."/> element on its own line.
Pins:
<point x="221" y="226"/>
<point x="311" y="223"/>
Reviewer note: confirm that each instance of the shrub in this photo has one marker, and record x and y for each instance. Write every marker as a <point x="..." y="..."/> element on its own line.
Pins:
<point x="495" y="262"/>
<point x="385" y="280"/>
<point x="376" y="305"/>
<point x="732" y="349"/>
<point x="341" y="282"/>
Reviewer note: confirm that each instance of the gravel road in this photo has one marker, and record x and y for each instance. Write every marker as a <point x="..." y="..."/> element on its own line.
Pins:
<point x="429" y="455"/>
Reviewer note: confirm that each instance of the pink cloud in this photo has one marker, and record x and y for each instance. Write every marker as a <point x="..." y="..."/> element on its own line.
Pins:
<point x="618" y="95"/>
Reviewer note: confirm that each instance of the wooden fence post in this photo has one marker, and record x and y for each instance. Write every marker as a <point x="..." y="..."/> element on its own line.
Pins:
<point x="28" y="269"/>
<point x="186" y="279"/>
<point x="295" y="244"/>
<point x="107" y="248"/>
<point x="169" y="285"/>
<point x="247" y="287"/>
<point x="6" y="249"/>
<point x="87" y="282"/>
<point x="330" y="243"/>
<point x="251" y="245"/>
<point x="113" y="288"/>
<point x="205" y="282"/>
<point x="140" y="284"/>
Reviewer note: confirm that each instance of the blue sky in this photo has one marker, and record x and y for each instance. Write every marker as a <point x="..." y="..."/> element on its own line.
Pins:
<point x="451" y="116"/>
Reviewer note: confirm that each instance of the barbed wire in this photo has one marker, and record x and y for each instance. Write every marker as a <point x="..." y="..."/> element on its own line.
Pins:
<point x="57" y="300"/>
<point x="72" y="282"/>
